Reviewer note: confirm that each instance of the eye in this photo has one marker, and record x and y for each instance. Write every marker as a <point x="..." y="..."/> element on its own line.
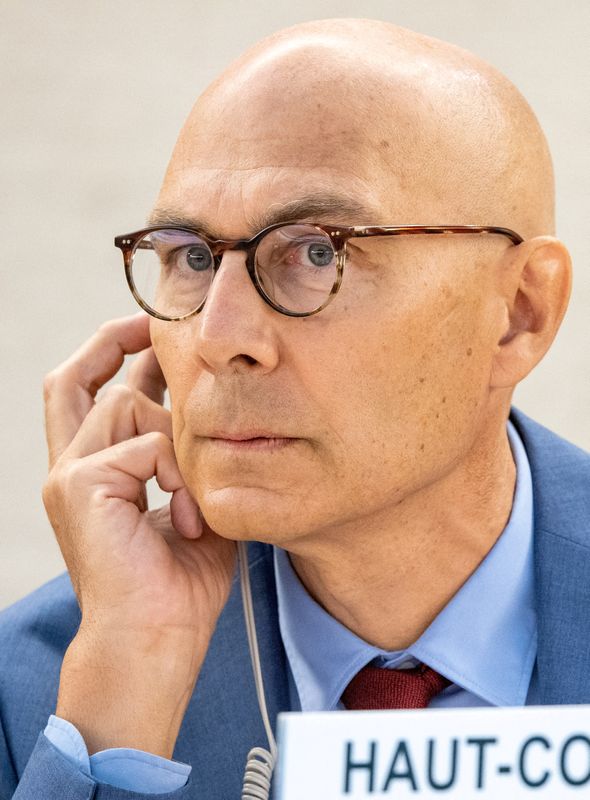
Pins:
<point x="199" y="258"/>
<point x="320" y="254"/>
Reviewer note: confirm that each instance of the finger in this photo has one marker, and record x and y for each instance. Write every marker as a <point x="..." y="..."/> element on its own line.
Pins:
<point x="145" y="375"/>
<point x="124" y="467"/>
<point x="71" y="388"/>
<point x="185" y="514"/>
<point x="120" y="414"/>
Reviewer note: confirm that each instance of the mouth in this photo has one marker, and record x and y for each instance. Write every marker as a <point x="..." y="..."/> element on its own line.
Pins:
<point x="251" y="441"/>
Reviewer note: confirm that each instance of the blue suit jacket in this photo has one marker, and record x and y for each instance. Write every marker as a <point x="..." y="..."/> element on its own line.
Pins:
<point x="222" y="721"/>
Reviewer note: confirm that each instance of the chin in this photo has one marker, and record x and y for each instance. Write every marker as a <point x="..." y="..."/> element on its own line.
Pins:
<point x="250" y="514"/>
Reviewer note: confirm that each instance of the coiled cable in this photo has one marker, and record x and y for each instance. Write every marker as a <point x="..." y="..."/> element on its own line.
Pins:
<point x="260" y="763"/>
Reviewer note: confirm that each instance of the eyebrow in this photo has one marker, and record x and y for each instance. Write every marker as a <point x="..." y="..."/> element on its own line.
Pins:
<point x="337" y="208"/>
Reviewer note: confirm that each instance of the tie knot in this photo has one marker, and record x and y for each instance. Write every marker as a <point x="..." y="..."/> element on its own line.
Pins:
<point x="376" y="688"/>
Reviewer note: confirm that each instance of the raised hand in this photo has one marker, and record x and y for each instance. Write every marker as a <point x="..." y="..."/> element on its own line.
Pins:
<point x="151" y="584"/>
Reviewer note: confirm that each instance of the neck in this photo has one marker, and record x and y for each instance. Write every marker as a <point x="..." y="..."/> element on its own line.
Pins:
<point x="388" y="576"/>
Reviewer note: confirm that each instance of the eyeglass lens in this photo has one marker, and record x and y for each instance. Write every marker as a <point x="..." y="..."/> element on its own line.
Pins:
<point x="296" y="267"/>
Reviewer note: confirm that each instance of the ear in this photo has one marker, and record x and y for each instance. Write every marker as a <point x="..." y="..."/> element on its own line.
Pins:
<point x="536" y="287"/>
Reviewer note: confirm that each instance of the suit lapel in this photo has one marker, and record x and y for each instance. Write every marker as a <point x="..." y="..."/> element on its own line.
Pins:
<point x="561" y="481"/>
<point x="223" y="721"/>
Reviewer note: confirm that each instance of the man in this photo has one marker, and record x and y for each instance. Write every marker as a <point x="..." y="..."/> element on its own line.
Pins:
<point x="344" y="399"/>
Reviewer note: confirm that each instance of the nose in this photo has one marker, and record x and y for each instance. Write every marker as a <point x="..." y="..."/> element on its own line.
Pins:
<point x="237" y="329"/>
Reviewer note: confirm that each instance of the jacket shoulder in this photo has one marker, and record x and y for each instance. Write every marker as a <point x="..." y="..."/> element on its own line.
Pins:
<point x="47" y="618"/>
<point x="34" y="634"/>
<point x="561" y="481"/>
<point x="547" y="441"/>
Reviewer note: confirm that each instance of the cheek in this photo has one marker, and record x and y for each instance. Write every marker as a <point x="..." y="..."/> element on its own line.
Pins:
<point x="163" y="342"/>
<point x="172" y="342"/>
<point x="168" y="344"/>
<point x="401" y="390"/>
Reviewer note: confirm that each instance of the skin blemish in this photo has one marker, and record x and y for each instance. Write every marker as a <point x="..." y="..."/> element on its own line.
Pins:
<point x="384" y="144"/>
<point x="444" y="400"/>
<point x="469" y="351"/>
<point x="421" y="447"/>
<point x="422" y="380"/>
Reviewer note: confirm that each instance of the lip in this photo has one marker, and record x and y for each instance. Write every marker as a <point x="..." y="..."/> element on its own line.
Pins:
<point x="263" y="444"/>
<point x="245" y="435"/>
<point x="253" y="440"/>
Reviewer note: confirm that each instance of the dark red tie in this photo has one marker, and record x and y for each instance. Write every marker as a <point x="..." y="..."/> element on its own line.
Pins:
<point x="376" y="688"/>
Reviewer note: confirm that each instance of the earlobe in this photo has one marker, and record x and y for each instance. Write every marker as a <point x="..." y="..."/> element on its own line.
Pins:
<point x="535" y="298"/>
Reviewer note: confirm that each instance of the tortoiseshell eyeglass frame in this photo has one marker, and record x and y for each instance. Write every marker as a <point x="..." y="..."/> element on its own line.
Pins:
<point x="339" y="235"/>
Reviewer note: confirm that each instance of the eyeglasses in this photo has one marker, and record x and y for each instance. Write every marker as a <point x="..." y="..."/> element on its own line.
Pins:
<point x="296" y="267"/>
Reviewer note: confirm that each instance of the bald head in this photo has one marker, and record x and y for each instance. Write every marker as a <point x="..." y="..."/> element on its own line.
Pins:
<point x="405" y="378"/>
<point x="426" y="131"/>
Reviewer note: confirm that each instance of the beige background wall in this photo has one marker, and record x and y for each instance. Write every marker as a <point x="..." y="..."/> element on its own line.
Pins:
<point x="93" y="94"/>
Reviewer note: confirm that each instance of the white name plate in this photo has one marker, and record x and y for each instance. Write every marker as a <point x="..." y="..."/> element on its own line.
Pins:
<point x="455" y="754"/>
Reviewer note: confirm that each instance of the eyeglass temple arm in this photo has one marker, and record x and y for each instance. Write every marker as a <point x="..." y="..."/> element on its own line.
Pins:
<point x="399" y="230"/>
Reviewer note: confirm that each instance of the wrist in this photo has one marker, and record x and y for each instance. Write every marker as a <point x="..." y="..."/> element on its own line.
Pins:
<point x="177" y="651"/>
<point x="123" y="689"/>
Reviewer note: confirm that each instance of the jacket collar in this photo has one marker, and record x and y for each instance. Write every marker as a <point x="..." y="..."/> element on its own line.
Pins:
<point x="561" y="499"/>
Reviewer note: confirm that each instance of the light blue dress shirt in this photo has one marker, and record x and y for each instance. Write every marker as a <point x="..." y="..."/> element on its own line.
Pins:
<point x="124" y="767"/>
<point x="484" y="641"/>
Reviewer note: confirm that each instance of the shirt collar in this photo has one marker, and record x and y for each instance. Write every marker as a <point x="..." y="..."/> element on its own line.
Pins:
<point x="484" y="640"/>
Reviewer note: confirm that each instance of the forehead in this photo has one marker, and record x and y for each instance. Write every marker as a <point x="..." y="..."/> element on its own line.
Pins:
<point x="263" y="138"/>
<point x="232" y="204"/>
<point x="274" y="131"/>
<point x="299" y="107"/>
